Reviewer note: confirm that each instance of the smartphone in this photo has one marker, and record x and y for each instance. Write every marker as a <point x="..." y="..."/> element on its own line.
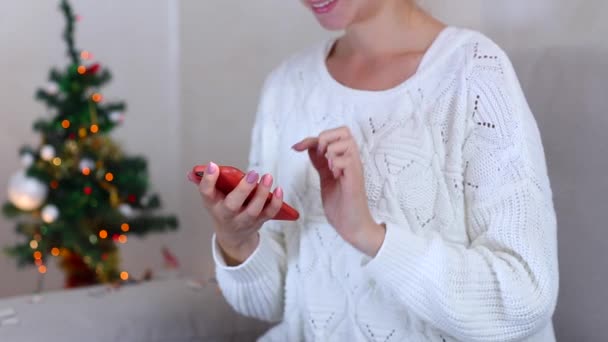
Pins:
<point x="230" y="177"/>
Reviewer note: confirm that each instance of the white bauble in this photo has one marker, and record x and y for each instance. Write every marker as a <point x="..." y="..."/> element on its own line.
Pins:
<point x="86" y="163"/>
<point x="117" y="117"/>
<point x="50" y="213"/>
<point x="27" y="159"/>
<point x="126" y="210"/>
<point x="52" y="88"/>
<point x="26" y="193"/>
<point x="47" y="152"/>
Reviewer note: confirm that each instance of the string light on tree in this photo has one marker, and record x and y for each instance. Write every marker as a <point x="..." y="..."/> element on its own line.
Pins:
<point x="55" y="251"/>
<point x="97" y="97"/>
<point x="125" y="227"/>
<point x="109" y="176"/>
<point x="54" y="184"/>
<point x="65" y="124"/>
<point x="86" y="55"/>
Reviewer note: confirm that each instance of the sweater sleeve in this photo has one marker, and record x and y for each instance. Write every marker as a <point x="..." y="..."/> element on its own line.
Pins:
<point x="503" y="285"/>
<point x="255" y="288"/>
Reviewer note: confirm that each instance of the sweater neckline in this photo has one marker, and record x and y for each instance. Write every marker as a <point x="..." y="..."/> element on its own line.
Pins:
<point x="422" y="69"/>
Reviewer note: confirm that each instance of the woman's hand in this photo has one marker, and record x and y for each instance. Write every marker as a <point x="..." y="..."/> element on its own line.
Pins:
<point x="236" y="227"/>
<point x="335" y="155"/>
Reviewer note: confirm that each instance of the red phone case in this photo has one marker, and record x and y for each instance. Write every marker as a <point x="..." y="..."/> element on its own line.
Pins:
<point x="230" y="177"/>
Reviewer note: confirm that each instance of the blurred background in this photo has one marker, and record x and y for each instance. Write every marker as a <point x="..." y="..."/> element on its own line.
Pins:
<point x="191" y="73"/>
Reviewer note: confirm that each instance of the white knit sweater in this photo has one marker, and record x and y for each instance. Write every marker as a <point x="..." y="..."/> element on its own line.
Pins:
<point x="454" y="166"/>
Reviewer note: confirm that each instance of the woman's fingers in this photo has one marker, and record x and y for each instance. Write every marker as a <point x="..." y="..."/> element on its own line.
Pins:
<point x="331" y="136"/>
<point x="206" y="186"/>
<point x="306" y="144"/>
<point x="340" y="147"/>
<point x="323" y="140"/>
<point x="233" y="202"/>
<point x="329" y="144"/>
<point x="273" y="208"/>
<point x="256" y="205"/>
<point x="340" y="164"/>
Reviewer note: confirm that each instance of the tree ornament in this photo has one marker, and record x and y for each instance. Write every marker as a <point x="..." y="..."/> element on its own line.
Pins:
<point x="71" y="146"/>
<point x="26" y="193"/>
<point x="126" y="210"/>
<point x="47" y="152"/>
<point x="93" y="69"/>
<point x="52" y="88"/>
<point x="145" y="200"/>
<point x="117" y="117"/>
<point x="50" y="213"/>
<point x="86" y="163"/>
<point x="27" y="159"/>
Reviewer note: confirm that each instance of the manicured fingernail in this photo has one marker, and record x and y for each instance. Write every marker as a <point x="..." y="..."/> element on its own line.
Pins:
<point x="267" y="180"/>
<point x="329" y="163"/>
<point x="252" y="177"/>
<point x="295" y="145"/>
<point x="211" y="168"/>
<point x="278" y="192"/>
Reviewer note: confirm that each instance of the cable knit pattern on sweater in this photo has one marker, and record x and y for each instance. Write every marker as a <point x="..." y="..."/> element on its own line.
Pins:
<point x="454" y="166"/>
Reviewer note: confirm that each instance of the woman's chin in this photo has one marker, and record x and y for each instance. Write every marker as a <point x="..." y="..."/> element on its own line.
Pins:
<point x="332" y="16"/>
<point x="331" y="26"/>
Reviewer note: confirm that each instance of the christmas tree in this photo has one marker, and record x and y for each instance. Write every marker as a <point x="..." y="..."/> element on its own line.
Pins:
<point x="79" y="196"/>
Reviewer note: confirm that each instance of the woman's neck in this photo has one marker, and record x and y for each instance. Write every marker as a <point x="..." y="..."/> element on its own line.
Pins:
<point x="398" y="27"/>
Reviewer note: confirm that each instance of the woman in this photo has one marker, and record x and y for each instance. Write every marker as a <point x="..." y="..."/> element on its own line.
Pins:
<point x="426" y="209"/>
